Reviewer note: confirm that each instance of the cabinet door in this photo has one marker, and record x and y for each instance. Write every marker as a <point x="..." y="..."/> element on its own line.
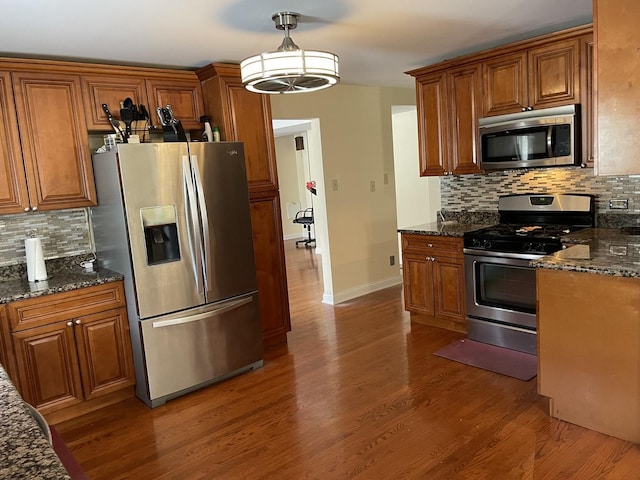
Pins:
<point x="14" y="197"/>
<point x="618" y="92"/>
<point x="112" y="90"/>
<point x="554" y="74"/>
<point x="184" y="96"/>
<point x="465" y="103"/>
<point x="417" y="272"/>
<point x="104" y="352"/>
<point x="433" y="131"/>
<point x="48" y="366"/>
<point x="270" y="268"/>
<point x="449" y="286"/>
<point x="247" y="118"/>
<point x="54" y="140"/>
<point x="505" y="84"/>
<point x="587" y="100"/>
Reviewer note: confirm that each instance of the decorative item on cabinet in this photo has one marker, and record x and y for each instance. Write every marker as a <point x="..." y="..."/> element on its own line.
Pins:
<point x="81" y="340"/>
<point x="433" y="279"/>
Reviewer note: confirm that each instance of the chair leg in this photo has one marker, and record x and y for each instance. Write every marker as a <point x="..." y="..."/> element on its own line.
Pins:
<point x="308" y="240"/>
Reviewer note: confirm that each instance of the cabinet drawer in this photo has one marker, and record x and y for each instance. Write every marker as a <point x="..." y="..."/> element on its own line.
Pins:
<point x="426" y="244"/>
<point x="35" y="312"/>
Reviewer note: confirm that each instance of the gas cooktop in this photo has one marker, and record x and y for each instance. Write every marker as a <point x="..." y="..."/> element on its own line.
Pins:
<point x="533" y="223"/>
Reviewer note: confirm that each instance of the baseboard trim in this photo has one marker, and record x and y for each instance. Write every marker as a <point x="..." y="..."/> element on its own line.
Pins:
<point x="355" y="292"/>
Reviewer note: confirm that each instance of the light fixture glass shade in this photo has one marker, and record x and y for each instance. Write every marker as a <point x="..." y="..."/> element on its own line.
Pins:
<point x="291" y="71"/>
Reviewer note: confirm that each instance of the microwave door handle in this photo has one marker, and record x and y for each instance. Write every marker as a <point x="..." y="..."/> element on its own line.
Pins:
<point x="193" y="233"/>
<point x="550" y="141"/>
<point x="516" y="140"/>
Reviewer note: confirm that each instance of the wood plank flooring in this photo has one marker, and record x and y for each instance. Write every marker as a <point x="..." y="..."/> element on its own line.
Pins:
<point x="356" y="394"/>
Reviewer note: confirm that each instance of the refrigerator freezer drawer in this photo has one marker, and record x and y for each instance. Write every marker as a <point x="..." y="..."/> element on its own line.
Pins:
<point x="191" y="349"/>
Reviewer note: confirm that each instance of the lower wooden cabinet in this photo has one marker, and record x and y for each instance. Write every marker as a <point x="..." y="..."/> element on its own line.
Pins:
<point x="433" y="278"/>
<point x="68" y="363"/>
<point x="270" y="268"/>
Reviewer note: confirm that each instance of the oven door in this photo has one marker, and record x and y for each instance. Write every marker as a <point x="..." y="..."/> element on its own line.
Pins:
<point x="501" y="288"/>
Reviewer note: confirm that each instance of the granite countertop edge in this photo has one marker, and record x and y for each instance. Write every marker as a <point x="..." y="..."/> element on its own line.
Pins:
<point x="62" y="281"/>
<point x="24" y="451"/>
<point x="442" y="229"/>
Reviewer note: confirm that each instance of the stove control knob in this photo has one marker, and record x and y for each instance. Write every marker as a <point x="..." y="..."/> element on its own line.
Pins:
<point x="487" y="244"/>
<point x="476" y="243"/>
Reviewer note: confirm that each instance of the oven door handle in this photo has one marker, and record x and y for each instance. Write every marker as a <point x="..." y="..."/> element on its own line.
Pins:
<point x="491" y="253"/>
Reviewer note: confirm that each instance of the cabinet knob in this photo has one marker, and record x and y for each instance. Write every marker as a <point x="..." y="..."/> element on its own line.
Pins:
<point x="33" y="209"/>
<point x="433" y="259"/>
<point x="529" y="109"/>
<point x="77" y="321"/>
<point x="26" y="209"/>
<point x="430" y="245"/>
<point x="69" y="324"/>
<point x="524" y="109"/>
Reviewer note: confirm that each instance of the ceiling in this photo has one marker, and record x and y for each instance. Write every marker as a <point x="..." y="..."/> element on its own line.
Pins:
<point x="376" y="40"/>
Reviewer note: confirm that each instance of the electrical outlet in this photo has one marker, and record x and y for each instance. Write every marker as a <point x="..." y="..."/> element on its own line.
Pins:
<point x="334" y="184"/>
<point x="618" y="204"/>
<point x="372" y="186"/>
<point x="386" y="179"/>
<point x="392" y="260"/>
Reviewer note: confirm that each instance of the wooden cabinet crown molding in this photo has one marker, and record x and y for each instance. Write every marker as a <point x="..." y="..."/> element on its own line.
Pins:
<point x="508" y="48"/>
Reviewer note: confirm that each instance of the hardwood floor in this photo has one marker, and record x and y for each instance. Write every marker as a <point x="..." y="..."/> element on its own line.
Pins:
<point x="357" y="393"/>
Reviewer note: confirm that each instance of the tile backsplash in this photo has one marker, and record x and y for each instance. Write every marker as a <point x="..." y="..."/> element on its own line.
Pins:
<point x="64" y="233"/>
<point x="480" y="192"/>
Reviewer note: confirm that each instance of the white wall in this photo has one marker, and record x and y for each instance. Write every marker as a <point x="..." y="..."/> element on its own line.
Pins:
<point x="357" y="149"/>
<point x="417" y="198"/>
<point x="288" y="182"/>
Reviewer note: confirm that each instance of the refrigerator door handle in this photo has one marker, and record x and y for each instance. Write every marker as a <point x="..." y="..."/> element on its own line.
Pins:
<point x="193" y="227"/>
<point x="202" y="316"/>
<point x="204" y="221"/>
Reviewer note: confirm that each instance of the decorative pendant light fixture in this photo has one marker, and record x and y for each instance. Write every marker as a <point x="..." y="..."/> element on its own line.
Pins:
<point x="289" y="69"/>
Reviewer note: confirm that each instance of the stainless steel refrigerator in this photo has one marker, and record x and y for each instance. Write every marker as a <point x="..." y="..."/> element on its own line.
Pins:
<point x="174" y="218"/>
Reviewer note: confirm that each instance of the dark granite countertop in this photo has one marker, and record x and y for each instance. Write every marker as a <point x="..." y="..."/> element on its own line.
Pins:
<point x="604" y="251"/>
<point x="444" y="229"/>
<point x="59" y="281"/>
<point x="24" y="451"/>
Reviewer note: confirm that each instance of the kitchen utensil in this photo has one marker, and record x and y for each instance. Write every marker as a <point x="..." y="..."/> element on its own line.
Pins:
<point x="126" y="115"/>
<point x="117" y="127"/>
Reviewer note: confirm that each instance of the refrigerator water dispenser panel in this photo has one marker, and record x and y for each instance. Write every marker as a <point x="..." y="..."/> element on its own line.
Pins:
<point x="160" y="234"/>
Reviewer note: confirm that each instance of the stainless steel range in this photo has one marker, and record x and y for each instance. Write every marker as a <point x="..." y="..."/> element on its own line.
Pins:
<point x="500" y="284"/>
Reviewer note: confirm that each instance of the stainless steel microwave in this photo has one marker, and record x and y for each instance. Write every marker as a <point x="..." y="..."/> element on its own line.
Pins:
<point x="536" y="138"/>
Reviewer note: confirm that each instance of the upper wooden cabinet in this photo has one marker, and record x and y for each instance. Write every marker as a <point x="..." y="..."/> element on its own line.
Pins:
<point x="540" y="77"/>
<point x="448" y="107"/>
<point x="617" y="39"/>
<point x="453" y="95"/>
<point x="184" y="96"/>
<point x="55" y="151"/>
<point x="587" y="93"/>
<point x="242" y="116"/>
<point x="465" y="106"/>
<point x="181" y="91"/>
<point x="110" y="90"/>
<point x="14" y="196"/>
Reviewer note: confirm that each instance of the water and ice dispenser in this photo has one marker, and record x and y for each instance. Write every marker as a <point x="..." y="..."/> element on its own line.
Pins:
<point x="160" y="234"/>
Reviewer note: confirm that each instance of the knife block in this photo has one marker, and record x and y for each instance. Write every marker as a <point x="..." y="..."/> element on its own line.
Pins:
<point x="174" y="133"/>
